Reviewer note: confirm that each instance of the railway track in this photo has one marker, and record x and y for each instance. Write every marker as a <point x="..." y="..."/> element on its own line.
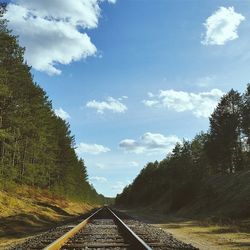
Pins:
<point x="105" y="229"/>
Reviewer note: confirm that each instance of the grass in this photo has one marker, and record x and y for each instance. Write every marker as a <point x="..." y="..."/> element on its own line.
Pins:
<point x="204" y="236"/>
<point x="206" y="233"/>
<point x="26" y="211"/>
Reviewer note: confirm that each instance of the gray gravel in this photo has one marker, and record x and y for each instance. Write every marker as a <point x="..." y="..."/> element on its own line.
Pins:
<point x="98" y="233"/>
<point x="42" y="240"/>
<point x="102" y="231"/>
<point x="149" y="233"/>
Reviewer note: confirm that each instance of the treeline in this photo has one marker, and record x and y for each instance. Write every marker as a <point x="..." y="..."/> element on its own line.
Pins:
<point x="36" y="146"/>
<point x="224" y="149"/>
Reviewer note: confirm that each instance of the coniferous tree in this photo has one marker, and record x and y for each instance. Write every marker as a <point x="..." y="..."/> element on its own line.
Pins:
<point x="36" y="146"/>
<point x="224" y="143"/>
<point x="246" y="123"/>
<point x="174" y="181"/>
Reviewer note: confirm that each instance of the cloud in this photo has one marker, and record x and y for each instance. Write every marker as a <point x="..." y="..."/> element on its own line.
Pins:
<point x="50" y="30"/>
<point x="62" y="114"/>
<point x="117" y="164"/>
<point x="98" y="179"/>
<point x="150" y="143"/>
<point x="133" y="164"/>
<point x="150" y="103"/>
<point x="200" y="104"/>
<point x="150" y="94"/>
<point x="94" y="149"/>
<point x="112" y="104"/>
<point x="222" y="26"/>
<point x="112" y="1"/>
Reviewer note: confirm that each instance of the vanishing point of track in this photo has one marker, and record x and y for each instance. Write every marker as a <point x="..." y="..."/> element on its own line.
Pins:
<point x="107" y="230"/>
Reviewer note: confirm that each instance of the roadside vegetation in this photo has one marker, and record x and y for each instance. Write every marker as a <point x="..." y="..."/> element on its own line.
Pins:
<point x="200" y="192"/>
<point x="27" y="211"/>
<point x="36" y="146"/>
<point x="208" y="233"/>
<point x="209" y="175"/>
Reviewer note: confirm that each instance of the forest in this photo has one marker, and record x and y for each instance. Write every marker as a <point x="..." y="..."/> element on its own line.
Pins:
<point x="224" y="150"/>
<point x="36" y="147"/>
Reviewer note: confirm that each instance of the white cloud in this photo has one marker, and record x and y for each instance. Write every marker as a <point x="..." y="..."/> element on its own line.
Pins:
<point x="150" y="103"/>
<point x="200" y="104"/>
<point x="50" y="30"/>
<point x="112" y="1"/>
<point x="98" y="179"/>
<point x="133" y="164"/>
<point x="150" y="94"/>
<point x="94" y="149"/>
<point x="112" y="104"/>
<point x="62" y="114"/>
<point x="150" y="143"/>
<point x="222" y="26"/>
<point x="115" y="164"/>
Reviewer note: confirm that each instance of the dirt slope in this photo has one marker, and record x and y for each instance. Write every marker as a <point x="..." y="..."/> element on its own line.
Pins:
<point x="26" y="211"/>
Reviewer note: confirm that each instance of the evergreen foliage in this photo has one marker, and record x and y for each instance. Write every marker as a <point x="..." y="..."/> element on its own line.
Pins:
<point x="224" y="149"/>
<point x="36" y="146"/>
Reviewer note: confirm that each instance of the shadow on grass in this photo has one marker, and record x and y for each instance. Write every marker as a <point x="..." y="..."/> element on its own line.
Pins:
<point x="241" y="244"/>
<point x="177" y="225"/>
<point x="24" y="225"/>
<point x="55" y="208"/>
<point x="237" y="227"/>
<point x="225" y="225"/>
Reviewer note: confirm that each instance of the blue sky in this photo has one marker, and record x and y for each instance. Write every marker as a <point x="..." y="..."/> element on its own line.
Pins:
<point x="133" y="77"/>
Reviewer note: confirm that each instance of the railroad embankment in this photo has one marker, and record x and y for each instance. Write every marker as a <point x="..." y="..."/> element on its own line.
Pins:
<point x="222" y="196"/>
<point x="217" y="216"/>
<point x="25" y="211"/>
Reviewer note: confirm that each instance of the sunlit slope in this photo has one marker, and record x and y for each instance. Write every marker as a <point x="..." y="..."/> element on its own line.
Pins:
<point x="24" y="211"/>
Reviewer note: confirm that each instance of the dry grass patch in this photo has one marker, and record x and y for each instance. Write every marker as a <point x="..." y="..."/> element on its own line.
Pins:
<point x="25" y="211"/>
<point x="206" y="234"/>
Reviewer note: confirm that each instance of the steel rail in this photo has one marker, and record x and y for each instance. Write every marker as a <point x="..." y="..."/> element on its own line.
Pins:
<point x="138" y="242"/>
<point x="56" y="245"/>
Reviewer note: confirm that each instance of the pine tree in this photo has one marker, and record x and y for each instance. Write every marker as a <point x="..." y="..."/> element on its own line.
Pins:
<point x="246" y="112"/>
<point x="36" y="146"/>
<point x="224" y="143"/>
